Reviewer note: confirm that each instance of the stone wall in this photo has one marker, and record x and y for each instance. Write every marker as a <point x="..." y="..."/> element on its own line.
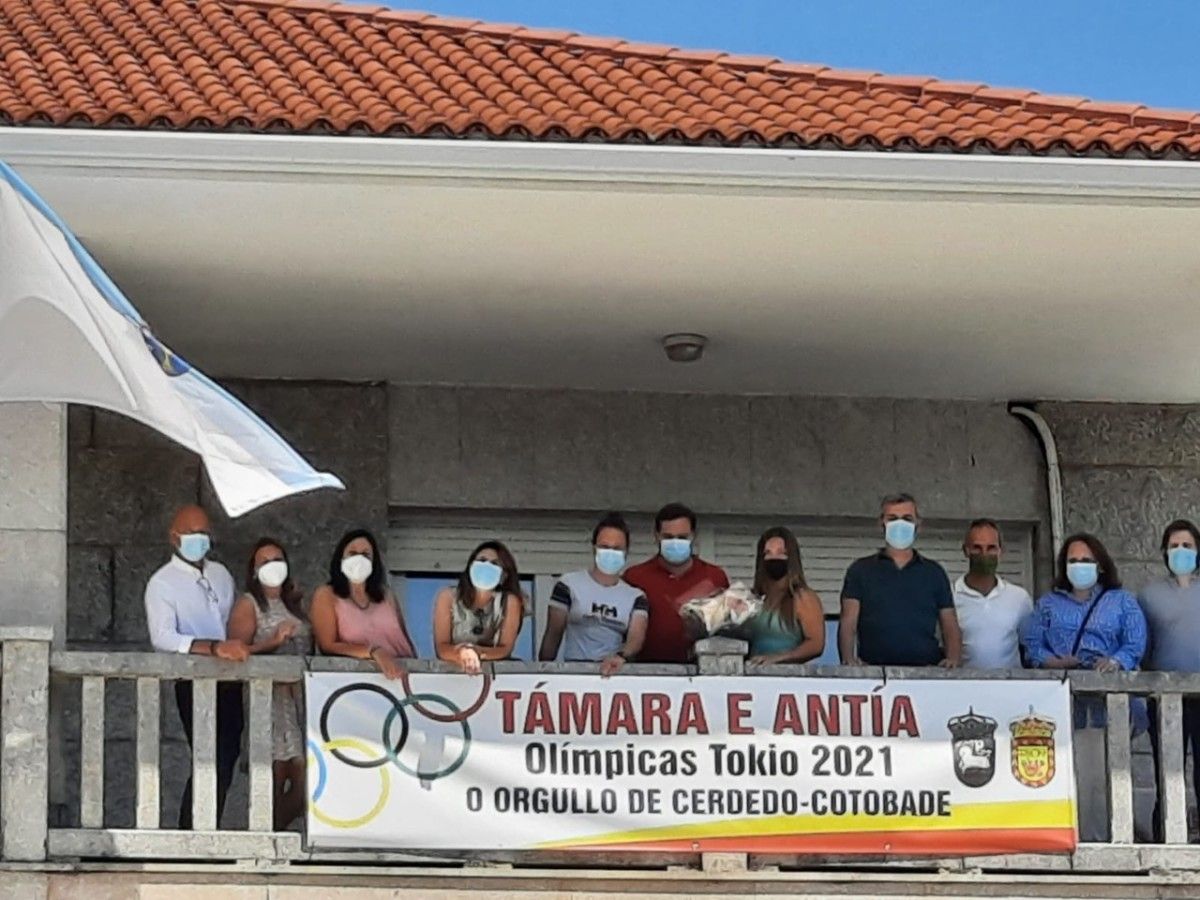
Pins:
<point x="1127" y="471"/>
<point x="125" y="481"/>
<point x="568" y="450"/>
<point x="526" y="449"/>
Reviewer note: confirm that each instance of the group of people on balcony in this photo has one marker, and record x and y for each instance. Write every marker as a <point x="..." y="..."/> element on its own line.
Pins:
<point x="898" y="608"/>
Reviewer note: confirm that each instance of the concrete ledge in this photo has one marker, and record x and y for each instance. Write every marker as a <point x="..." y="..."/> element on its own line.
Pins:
<point x="232" y="845"/>
<point x="26" y="633"/>
<point x="165" y="882"/>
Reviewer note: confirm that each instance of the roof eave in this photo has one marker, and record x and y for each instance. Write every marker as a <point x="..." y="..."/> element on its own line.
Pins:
<point x="1069" y="179"/>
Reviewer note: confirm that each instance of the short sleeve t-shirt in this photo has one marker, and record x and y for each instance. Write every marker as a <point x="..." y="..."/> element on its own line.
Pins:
<point x="1173" y="616"/>
<point x="899" y="609"/>
<point x="598" y="615"/>
<point x="666" y="592"/>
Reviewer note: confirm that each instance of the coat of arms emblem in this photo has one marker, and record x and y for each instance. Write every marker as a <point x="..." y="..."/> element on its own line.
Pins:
<point x="973" y="743"/>
<point x="1033" y="749"/>
<point x="170" y="363"/>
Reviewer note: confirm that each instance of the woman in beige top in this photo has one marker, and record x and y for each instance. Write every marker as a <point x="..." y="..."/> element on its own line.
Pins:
<point x="478" y="619"/>
<point x="269" y="619"/>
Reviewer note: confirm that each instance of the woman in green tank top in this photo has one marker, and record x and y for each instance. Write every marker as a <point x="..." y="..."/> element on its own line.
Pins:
<point x="791" y="626"/>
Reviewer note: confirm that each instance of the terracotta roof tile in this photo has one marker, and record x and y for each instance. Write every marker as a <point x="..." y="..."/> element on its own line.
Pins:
<point x="312" y="66"/>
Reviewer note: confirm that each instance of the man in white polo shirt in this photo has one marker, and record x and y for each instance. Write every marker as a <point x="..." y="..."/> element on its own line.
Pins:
<point x="991" y="611"/>
<point x="187" y="607"/>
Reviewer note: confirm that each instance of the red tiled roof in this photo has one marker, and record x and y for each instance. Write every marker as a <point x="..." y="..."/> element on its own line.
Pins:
<point x="309" y="67"/>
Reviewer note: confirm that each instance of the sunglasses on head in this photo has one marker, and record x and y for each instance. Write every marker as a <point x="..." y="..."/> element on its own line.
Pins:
<point x="479" y="624"/>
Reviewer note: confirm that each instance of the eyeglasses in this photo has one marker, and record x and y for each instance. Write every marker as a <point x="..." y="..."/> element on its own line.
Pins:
<point x="209" y="591"/>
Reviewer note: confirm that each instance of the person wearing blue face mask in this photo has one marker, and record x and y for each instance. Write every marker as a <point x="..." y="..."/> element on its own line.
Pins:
<point x="1088" y="621"/>
<point x="478" y="619"/>
<point x="594" y="615"/>
<point x="669" y="580"/>
<point x="188" y="602"/>
<point x="895" y="601"/>
<point x="1172" y="607"/>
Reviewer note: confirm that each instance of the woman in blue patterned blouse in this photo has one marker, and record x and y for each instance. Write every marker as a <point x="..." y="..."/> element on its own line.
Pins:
<point x="1088" y="621"/>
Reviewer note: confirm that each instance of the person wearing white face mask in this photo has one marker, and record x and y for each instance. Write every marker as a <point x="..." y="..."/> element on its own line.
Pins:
<point x="188" y="602"/>
<point x="895" y="601"/>
<point x="1088" y="621"/>
<point x="478" y="619"/>
<point x="594" y="615"/>
<point x="270" y="619"/>
<point x="356" y="614"/>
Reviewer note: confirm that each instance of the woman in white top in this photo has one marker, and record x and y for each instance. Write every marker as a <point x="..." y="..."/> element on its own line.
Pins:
<point x="479" y="618"/>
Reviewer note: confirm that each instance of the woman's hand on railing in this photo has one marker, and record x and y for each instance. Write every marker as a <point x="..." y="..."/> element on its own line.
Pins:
<point x="1061" y="662"/>
<point x="1106" y="665"/>
<point x="468" y="658"/>
<point x="389" y="666"/>
<point x="283" y="631"/>
<point x="768" y="659"/>
<point x="234" y="651"/>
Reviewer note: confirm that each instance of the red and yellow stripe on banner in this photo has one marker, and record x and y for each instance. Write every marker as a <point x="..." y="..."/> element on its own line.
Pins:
<point x="1026" y="826"/>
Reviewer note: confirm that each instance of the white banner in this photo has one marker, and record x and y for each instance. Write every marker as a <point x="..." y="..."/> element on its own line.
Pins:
<point x="67" y="334"/>
<point x="758" y="764"/>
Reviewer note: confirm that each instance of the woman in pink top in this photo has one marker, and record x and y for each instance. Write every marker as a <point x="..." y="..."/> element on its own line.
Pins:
<point x="355" y="614"/>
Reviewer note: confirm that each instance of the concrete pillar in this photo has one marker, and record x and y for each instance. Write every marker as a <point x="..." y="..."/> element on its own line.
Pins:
<point x="722" y="656"/>
<point x="33" y="562"/>
<point x="25" y="756"/>
<point x="33" y="516"/>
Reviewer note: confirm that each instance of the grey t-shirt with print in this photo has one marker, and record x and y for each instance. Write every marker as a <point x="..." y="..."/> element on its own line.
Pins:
<point x="598" y="616"/>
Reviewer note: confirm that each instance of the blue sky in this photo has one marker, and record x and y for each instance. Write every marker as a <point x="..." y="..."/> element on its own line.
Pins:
<point x="1126" y="50"/>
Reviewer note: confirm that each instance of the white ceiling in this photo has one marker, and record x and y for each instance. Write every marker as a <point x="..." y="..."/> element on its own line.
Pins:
<point x="888" y="293"/>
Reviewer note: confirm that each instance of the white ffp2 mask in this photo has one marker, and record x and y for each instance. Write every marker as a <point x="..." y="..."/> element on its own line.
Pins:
<point x="357" y="568"/>
<point x="272" y="574"/>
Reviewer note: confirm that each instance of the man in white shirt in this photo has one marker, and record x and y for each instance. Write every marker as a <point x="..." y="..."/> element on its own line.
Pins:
<point x="991" y="611"/>
<point x="188" y="602"/>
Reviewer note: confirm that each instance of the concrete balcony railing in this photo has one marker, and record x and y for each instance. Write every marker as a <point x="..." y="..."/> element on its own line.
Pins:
<point x="28" y="717"/>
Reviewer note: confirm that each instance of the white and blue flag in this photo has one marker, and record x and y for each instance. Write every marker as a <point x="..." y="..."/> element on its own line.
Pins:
<point x="67" y="334"/>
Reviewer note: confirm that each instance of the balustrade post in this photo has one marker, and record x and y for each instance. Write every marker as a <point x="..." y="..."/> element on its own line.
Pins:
<point x="24" y="757"/>
<point x="722" y="656"/>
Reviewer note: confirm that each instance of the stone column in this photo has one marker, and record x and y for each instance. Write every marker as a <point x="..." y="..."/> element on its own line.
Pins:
<point x="33" y="516"/>
<point x="33" y="548"/>
<point x="722" y="656"/>
<point x="25" y="760"/>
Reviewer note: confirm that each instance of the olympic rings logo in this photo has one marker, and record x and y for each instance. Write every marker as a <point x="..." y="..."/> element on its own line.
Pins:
<point x="365" y="757"/>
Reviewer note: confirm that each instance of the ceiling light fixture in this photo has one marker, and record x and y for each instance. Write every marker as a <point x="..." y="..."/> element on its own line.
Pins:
<point x="684" y="347"/>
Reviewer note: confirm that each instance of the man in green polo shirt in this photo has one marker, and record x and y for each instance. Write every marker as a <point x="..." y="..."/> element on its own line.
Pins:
<point x="894" y="601"/>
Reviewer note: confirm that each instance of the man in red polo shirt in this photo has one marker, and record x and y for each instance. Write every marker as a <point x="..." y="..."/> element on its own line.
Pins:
<point x="669" y="580"/>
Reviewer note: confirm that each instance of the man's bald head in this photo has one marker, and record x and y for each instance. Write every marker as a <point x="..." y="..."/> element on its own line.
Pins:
<point x="189" y="520"/>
